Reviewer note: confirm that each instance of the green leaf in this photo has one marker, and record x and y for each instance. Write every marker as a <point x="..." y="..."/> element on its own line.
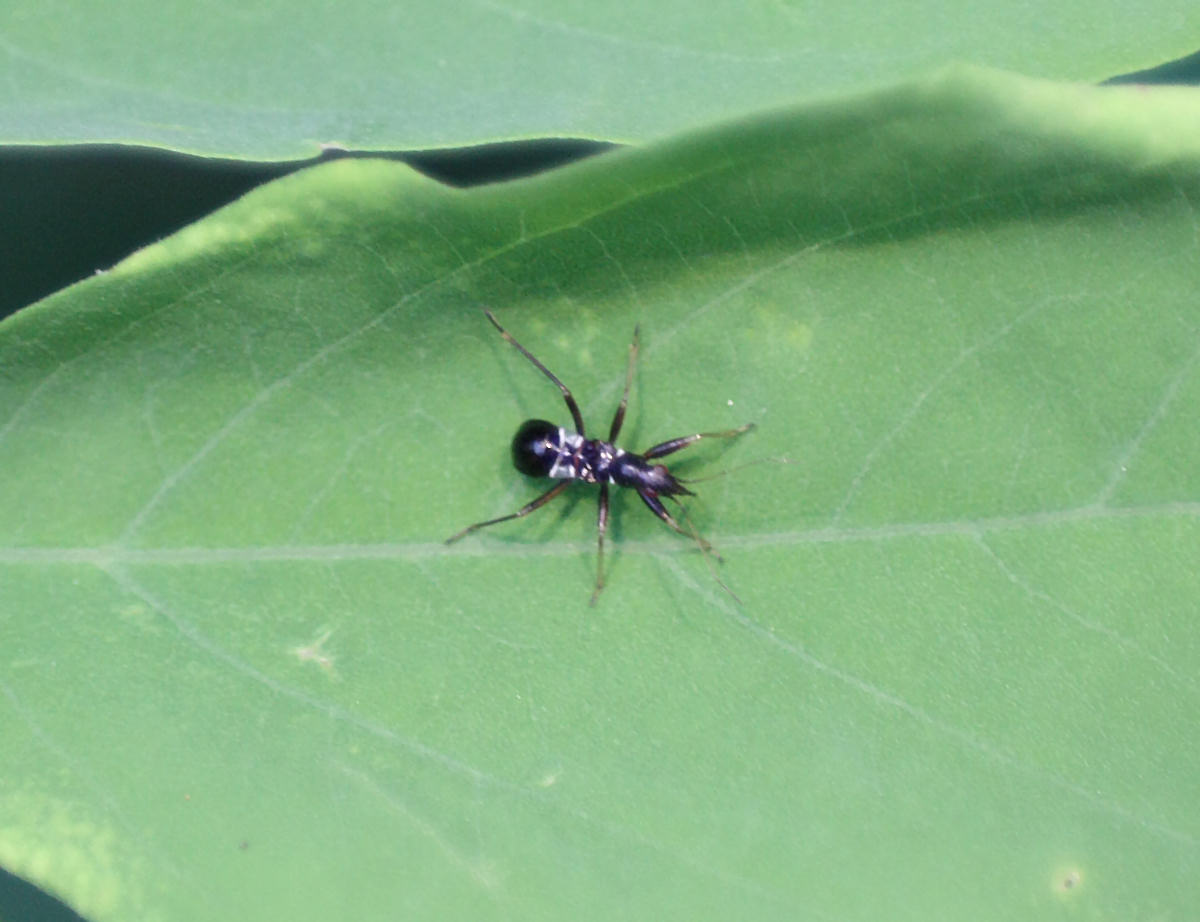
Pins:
<point x="241" y="676"/>
<point x="270" y="80"/>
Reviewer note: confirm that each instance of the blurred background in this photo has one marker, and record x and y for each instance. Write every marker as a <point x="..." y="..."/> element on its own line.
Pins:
<point x="69" y="212"/>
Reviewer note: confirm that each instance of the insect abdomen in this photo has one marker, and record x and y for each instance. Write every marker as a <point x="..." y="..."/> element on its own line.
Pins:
<point x="630" y="470"/>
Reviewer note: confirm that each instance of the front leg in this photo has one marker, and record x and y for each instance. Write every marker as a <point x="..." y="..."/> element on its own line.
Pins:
<point x="523" y="511"/>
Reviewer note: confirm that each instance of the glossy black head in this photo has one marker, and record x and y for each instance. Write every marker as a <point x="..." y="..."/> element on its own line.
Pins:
<point x="535" y="447"/>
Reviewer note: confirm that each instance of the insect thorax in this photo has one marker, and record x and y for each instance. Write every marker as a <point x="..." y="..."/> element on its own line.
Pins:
<point x="579" y="458"/>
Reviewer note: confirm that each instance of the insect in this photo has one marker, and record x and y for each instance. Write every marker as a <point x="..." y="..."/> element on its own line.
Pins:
<point x="542" y="449"/>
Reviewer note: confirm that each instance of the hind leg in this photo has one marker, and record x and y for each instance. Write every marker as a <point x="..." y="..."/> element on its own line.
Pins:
<point x="674" y="445"/>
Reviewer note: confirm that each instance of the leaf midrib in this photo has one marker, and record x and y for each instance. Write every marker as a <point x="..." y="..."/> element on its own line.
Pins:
<point x="103" y="555"/>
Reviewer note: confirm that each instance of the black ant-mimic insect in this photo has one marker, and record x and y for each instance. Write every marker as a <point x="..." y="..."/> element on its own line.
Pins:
<point x="542" y="449"/>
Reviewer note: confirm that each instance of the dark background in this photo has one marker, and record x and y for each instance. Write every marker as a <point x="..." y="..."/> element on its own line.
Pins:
<point x="70" y="211"/>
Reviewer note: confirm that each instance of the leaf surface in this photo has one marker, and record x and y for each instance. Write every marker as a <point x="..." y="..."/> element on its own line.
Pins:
<point x="266" y="79"/>
<point x="242" y="677"/>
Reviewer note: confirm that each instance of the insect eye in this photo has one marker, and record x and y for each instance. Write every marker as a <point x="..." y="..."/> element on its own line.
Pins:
<point x="535" y="447"/>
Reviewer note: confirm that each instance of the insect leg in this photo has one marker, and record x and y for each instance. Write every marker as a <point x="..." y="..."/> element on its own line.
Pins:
<point x="523" y="511"/>
<point x="601" y="528"/>
<point x="571" y="404"/>
<point x="619" y="418"/>
<point x="660" y="510"/>
<point x="674" y="445"/>
<point x="706" y="549"/>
